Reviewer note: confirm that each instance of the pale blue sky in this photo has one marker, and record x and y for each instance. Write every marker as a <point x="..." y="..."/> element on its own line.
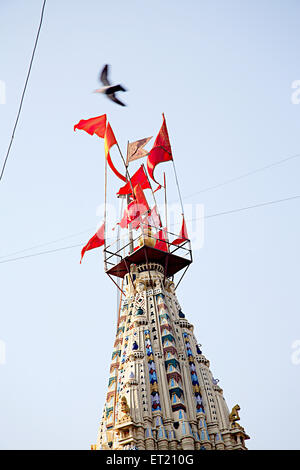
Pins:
<point x="222" y="73"/>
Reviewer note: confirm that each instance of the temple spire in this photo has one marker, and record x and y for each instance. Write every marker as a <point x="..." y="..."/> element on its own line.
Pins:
<point x="161" y="392"/>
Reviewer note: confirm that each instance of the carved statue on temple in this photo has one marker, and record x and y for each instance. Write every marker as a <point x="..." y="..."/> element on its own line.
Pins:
<point x="234" y="416"/>
<point x="124" y="413"/>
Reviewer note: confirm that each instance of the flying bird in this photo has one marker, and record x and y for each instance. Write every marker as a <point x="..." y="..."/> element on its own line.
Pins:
<point x="108" y="89"/>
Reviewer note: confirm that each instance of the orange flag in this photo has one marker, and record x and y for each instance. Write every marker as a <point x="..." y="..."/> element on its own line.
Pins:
<point x="140" y="178"/>
<point x="154" y="218"/>
<point x="131" y="215"/>
<point x="183" y="236"/>
<point x="161" y="242"/>
<point x="96" y="125"/>
<point x="96" y="241"/>
<point x="141" y="199"/>
<point x="109" y="141"/>
<point x="161" y="150"/>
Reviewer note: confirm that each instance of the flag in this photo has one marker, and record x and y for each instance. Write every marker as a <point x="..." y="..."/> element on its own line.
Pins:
<point x="161" y="242"/>
<point x="183" y="236"/>
<point x="140" y="199"/>
<point x="96" y="241"/>
<point x="161" y="150"/>
<point x="110" y="141"/>
<point x="154" y="218"/>
<point x="131" y="215"/>
<point x="140" y="178"/>
<point x="135" y="149"/>
<point x="96" y="125"/>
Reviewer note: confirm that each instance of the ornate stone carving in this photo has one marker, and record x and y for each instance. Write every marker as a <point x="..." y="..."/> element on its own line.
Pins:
<point x="234" y="416"/>
<point x="124" y="413"/>
<point x="161" y="391"/>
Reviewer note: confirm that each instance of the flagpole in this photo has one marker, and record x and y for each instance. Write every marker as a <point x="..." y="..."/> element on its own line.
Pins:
<point x="130" y="235"/>
<point x="152" y="195"/>
<point x="150" y="184"/>
<point x="166" y="211"/>
<point x="182" y="211"/>
<point x="126" y="166"/>
<point x="176" y="178"/>
<point x="105" y="201"/>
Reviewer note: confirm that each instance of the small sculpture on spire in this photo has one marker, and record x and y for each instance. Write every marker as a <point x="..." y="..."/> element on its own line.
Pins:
<point x="124" y="411"/>
<point x="234" y="417"/>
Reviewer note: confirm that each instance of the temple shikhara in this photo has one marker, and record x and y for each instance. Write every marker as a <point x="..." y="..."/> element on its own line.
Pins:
<point x="161" y="393"/>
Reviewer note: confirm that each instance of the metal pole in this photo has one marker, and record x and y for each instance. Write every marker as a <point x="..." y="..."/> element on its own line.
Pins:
<point x="105" y="200"/>
<point x="130" y="236"/>
<point x="166" y="210"/>
<point x="178" y="188"/>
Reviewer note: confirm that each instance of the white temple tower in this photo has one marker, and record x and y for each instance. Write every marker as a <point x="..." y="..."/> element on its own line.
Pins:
<point x="161" y="392"/>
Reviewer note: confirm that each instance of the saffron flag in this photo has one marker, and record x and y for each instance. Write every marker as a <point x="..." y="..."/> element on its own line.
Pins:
<point x="96" y="241"/>
<point x="96" y="125"/>
<point x="183" y="236"/>
<point x="154" y="218"/>
<point x="161" y="242"/>
<point x="141" y="199"/>
<point x="135" y="149"/>
<point x="132" y="215"/>
<point x="161" y="150"/>
<point x="140" y="178"/>
<point x="109" y="141"/>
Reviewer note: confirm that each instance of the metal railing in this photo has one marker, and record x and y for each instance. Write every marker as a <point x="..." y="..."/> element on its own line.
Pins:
<point x="148" y="236"/>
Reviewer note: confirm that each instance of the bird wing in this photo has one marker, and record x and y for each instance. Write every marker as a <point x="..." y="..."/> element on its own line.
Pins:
<point x="115" y="99"/>
<point x="115" y="88"/>
<point x="103" y="75"/>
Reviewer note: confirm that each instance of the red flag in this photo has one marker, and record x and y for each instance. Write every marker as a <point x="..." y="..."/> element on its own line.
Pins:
<point x="154" y="218"/>
<point x="161" y="150"/>
<point x="183" y="236"/>
<point x="132" y="215"/>
<point x="96" y="241"/>
<point x="96" y="125"/>
<point x="140" y="178"/>
<point x="141" y="199"/>
<point x="109" y="141"/>
<point x="161" y="242"/>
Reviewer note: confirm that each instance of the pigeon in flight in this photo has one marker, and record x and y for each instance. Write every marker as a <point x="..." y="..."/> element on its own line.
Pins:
<point x="108" y="89"/>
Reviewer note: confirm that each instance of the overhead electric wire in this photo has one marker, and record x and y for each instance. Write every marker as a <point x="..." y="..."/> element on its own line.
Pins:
<point x="217" y="214"/>
<point x="209" y="188"/>
<point x="276" y="201"/>
<point x="41" y="253"/>
<point x="244" y="175"/>
<point x="45" y="244"/>
<point x="24" y="90"/>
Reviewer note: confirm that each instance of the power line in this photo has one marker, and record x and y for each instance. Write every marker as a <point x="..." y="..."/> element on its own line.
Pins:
<point x="249" y="207"/>
<point x="41" y="253"/>
<point x="244" y="175"/>
<point x="24" y="90"/>
<point x="217" y="214"/>
<point x="203" y="190"/>
<point x="45" y="244"/>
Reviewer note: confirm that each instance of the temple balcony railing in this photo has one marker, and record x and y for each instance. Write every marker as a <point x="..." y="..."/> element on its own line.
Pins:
<point x="148" y="247"/>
